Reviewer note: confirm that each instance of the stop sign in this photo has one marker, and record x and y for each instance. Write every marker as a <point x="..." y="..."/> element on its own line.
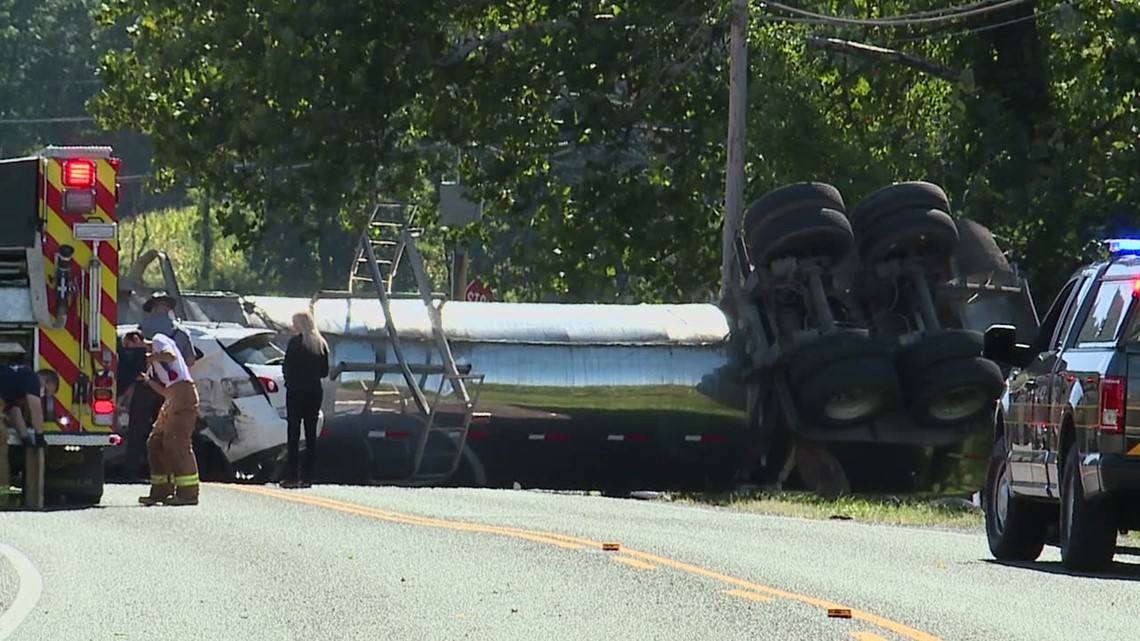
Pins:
<point x="477" y="292"/>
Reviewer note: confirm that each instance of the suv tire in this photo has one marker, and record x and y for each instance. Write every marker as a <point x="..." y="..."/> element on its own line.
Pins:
<point x="1088" y="531"/>
<point x="1016" y="529"/>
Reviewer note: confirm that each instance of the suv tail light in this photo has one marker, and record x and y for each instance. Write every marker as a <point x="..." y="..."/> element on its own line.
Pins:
<point x="1112" y="392"/>
<point x="269" y="384"/>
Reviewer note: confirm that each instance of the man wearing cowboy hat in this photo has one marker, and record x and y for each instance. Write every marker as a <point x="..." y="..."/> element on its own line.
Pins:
<point x="146" y="402"/>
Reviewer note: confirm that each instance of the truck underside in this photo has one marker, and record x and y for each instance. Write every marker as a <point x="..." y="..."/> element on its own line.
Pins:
<point x="851" y="352"/>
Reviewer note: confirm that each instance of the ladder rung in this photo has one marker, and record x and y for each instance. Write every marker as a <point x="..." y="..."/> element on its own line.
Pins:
<point x="414" y="295"/>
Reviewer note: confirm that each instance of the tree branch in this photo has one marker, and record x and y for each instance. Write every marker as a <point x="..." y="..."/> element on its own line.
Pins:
<point x="847" y="47"/>
<point x="471" y="46"/>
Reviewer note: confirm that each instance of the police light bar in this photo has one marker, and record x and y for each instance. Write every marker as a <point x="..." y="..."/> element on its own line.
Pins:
<point x="1124" y="245"/>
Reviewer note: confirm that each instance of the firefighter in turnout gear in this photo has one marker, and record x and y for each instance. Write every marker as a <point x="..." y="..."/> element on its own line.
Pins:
<point x="170" y="451"/>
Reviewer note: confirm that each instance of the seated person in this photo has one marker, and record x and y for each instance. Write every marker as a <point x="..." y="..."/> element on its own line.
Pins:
<point x="20" y="390"/>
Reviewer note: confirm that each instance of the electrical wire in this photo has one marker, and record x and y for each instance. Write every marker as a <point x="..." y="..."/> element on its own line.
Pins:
<point x="997" y="25"/>
<point x="950" y="14"/>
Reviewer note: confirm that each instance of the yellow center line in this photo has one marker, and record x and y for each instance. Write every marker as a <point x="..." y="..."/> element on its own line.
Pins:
<point x="575" y="543"/>
<point x="751" y="596"/>
<point x="635" y="563"/>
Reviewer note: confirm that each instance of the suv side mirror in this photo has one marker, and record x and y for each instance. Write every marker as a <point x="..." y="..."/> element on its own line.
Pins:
<point x="999" y="344"/>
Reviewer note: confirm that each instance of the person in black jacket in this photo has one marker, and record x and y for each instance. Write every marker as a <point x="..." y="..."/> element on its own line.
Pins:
<point x="306" y="364"/>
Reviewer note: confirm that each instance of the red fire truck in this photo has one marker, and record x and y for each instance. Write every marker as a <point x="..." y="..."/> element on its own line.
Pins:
<point x="59" y="268"/>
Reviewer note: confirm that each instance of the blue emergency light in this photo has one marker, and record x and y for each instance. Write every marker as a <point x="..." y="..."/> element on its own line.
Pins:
<point x="1123" y="246"/>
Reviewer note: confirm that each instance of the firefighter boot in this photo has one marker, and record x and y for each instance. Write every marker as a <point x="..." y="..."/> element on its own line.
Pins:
<point x="185" y="490"/>
<point x="161" y="488"/>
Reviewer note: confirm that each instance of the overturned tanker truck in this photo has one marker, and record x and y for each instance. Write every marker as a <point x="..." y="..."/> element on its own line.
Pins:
<point x="853" y="338"/>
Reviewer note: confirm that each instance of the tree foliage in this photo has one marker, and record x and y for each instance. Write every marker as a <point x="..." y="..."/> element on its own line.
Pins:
<point x="594" y="132"/>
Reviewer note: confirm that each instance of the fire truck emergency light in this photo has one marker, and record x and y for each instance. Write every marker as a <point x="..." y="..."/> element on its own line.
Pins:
<point x="78" y="174"/>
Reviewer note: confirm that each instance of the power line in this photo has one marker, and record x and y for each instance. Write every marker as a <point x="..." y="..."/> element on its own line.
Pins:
<point x="45" y="121"/>
<point x="996" y="25"/>
<point x="947" y="15"/>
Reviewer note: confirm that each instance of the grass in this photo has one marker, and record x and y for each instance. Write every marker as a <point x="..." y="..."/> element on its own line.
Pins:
<point x="916" y="510"/>
<point x="913" y="510"/>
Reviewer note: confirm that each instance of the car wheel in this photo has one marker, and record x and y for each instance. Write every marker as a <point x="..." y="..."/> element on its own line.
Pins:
<point x="1016" y="528"/>
<point x="1088" y="529"/>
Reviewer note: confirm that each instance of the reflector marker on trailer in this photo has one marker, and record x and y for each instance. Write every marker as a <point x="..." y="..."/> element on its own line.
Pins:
<point x="548" y="437"/>
<point x="388" y="434"/>
<point x="705" y="438"/>
<point x="629" y="438"/>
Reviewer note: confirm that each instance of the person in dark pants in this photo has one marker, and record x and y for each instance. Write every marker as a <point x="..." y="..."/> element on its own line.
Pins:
<point x="306" y="365"/>
<point x="142" y="411"/>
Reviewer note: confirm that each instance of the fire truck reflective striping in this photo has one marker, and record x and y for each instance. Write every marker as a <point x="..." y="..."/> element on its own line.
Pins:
<point x="92" y="306"/>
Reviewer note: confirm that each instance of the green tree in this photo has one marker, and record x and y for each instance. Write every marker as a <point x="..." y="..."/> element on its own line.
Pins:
<point x="595" y="132"/>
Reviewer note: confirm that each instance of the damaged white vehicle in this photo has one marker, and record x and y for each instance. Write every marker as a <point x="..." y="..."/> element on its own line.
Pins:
<point x="242" y="432"/>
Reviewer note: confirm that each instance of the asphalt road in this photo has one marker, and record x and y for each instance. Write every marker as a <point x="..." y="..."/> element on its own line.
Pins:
<point x="386" y="563"/>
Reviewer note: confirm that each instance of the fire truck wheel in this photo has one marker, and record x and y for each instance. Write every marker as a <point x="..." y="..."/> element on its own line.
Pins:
<point x="803" y="219"/>
<point x="925" y="232"/>
<point x="829" y="348"/>
<point x="914" y="360"/>
<point x="847" y="392"/>
<point x="894" y="198"/>
<point x="955" y="391"/>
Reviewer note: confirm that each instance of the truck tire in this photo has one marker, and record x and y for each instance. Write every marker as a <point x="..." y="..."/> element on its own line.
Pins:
<point x="1088" y="530"/>
<point x="929" y="232"/>
<point x="978" y="253"/>
<point x="794" y="197"/>
<point x="829" y="348"/>
<point x="933" y="349"/>
<point x="803" y="220"/>
<point x="847" y="392"/>
<point x="1016" y="529"/>
<point x="955" y="391"/>
<point x="889" y="200"/>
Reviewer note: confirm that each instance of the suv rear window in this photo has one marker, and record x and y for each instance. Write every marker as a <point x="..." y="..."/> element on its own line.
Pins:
<point x="1112" y="300"/>
<point x="257" y="350"/>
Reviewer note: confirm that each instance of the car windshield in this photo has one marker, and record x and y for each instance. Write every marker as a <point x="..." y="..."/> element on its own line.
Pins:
<point x="257" y="350"/>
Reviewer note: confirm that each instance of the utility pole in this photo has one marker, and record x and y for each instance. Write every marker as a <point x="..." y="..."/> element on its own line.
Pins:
<point x="734" y="180"/>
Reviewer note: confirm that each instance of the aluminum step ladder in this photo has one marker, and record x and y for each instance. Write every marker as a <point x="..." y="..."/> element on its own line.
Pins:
<point x="387" y="241"/>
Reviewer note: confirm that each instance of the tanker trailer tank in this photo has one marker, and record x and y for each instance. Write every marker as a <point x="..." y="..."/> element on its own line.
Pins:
<point x="574" y="395"/>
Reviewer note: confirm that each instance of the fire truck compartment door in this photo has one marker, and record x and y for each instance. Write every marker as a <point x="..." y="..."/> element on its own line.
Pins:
<point x="19" y="202"/>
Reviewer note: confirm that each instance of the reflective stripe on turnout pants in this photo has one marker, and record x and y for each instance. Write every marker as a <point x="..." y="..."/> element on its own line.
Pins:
<point x="5" y="473"/>
<point x="170" y="450"/>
